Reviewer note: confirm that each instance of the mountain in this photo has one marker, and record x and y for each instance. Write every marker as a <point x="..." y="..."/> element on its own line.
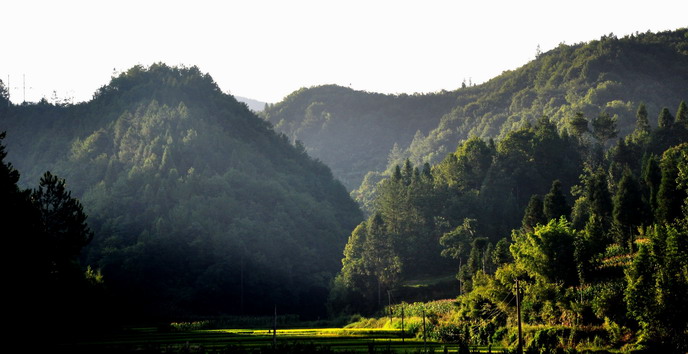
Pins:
<point x="252" y="104"/>
<point x="197" y="205"/>
<point x="613" y="75"/>
<point x="352" y="131"/>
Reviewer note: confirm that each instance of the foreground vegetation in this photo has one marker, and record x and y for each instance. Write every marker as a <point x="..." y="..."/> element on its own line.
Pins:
<point x="595" y="233"/>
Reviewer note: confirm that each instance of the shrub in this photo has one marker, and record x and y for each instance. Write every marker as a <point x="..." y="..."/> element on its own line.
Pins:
<point x="447" y="332"/>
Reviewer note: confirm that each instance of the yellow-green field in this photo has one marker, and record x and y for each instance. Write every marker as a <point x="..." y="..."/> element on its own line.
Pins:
<point x="302" y="340"/>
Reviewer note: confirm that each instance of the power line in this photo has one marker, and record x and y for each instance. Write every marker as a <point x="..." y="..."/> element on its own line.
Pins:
<point x="497" y="311"/>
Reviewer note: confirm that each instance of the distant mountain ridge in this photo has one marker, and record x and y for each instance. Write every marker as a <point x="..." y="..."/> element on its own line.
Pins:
<point x="252" y="104"/>
<point x="607" y="75"/>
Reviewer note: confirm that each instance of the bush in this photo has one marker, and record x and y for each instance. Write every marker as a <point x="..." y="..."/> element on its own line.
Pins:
<point x="544" y="339"/>
<point x="413" y="327"/>
<point x="448" y="333"/>
<point x="189" y="326"/>
<point x="439" y="307"/>
<point x="499" y="334"/>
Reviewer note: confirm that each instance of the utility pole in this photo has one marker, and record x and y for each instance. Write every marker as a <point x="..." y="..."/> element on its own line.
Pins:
<point x="460" y="279"/>
<point x="425" y="341"/>
<point x="518" y="311"/>
<point x="389" y="304"/>
<point x="402" y="322"/>
<point x="241" y="283"/>
<point x="274" y="331"/>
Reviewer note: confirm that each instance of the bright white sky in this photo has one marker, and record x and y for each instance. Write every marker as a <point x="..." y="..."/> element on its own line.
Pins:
<point x="265" y="49"/>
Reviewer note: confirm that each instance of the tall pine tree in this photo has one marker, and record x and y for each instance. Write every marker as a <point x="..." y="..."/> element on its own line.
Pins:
<point x="554" y="203"/>
<point x="629" y="209"/>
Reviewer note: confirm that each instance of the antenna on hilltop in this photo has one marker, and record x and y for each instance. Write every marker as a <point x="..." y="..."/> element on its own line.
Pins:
<point x="24" y="86"/>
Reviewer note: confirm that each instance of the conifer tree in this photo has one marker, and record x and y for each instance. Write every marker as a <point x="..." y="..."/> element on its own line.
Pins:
<point x="640" y="291"/>
<point x="379" y="258"/>
<point x="665" y="119"/>
<point x="598" y="195"/>
<point x="407" y="172"/>
<point x="501" y="254"/>
<point x="642" y="124"/>
<point x="4" y="97"/>
<point x="651" y="178"/>
<point x="629" y="209"/>
<point x="592" y="241"/>
<point x="670" y="198"/>
<point x="534" y="214"/>
<point x="64" y="226"/>
<point x="20" y="227"/>
<point x="578" y="125"/>
<point x="604" y="128"/>
<point x="682" y="114"/>
<point x="10" y="193"/>
<point x="673" y="285"/>
<point x="554" y="203"/>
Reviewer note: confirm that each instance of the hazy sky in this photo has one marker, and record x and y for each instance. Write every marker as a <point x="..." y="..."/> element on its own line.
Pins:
<point x="267" y="49"/>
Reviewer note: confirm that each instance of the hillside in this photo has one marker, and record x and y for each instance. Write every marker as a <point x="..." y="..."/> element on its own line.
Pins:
<point x="612" y="75"/>
<point x="197" y="206"/>
<point x="352" y="131"/>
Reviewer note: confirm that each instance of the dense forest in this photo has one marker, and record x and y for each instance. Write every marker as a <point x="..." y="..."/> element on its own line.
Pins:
<point x="612" y="75"/>
<point x="596" y="237"/>
<point x="195" y="204"/>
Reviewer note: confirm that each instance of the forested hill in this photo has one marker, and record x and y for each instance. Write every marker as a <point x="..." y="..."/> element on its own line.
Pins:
<point x="353" y="131"/>
<point x="612" y="75"/>
<point x="197" y="205"/>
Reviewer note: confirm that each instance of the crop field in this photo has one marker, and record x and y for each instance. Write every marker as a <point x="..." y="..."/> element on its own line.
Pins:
<point x="302" y="340"/>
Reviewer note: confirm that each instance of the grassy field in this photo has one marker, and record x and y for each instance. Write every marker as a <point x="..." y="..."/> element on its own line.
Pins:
<point x="321" y="340"/>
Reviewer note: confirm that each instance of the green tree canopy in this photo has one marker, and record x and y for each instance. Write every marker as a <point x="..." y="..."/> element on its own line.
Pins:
<point x="629" y="210"/>
<point x="554" y="203"/>
<point x="604" y="127"/>
<point x="665" y="120"/>
<point x="534" y="214"/>
<point x="642" y="123"/>
<point x="547" y="252"/>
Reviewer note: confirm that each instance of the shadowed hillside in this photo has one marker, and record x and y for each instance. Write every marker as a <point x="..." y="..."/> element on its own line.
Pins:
<point x="197" y="205"/>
